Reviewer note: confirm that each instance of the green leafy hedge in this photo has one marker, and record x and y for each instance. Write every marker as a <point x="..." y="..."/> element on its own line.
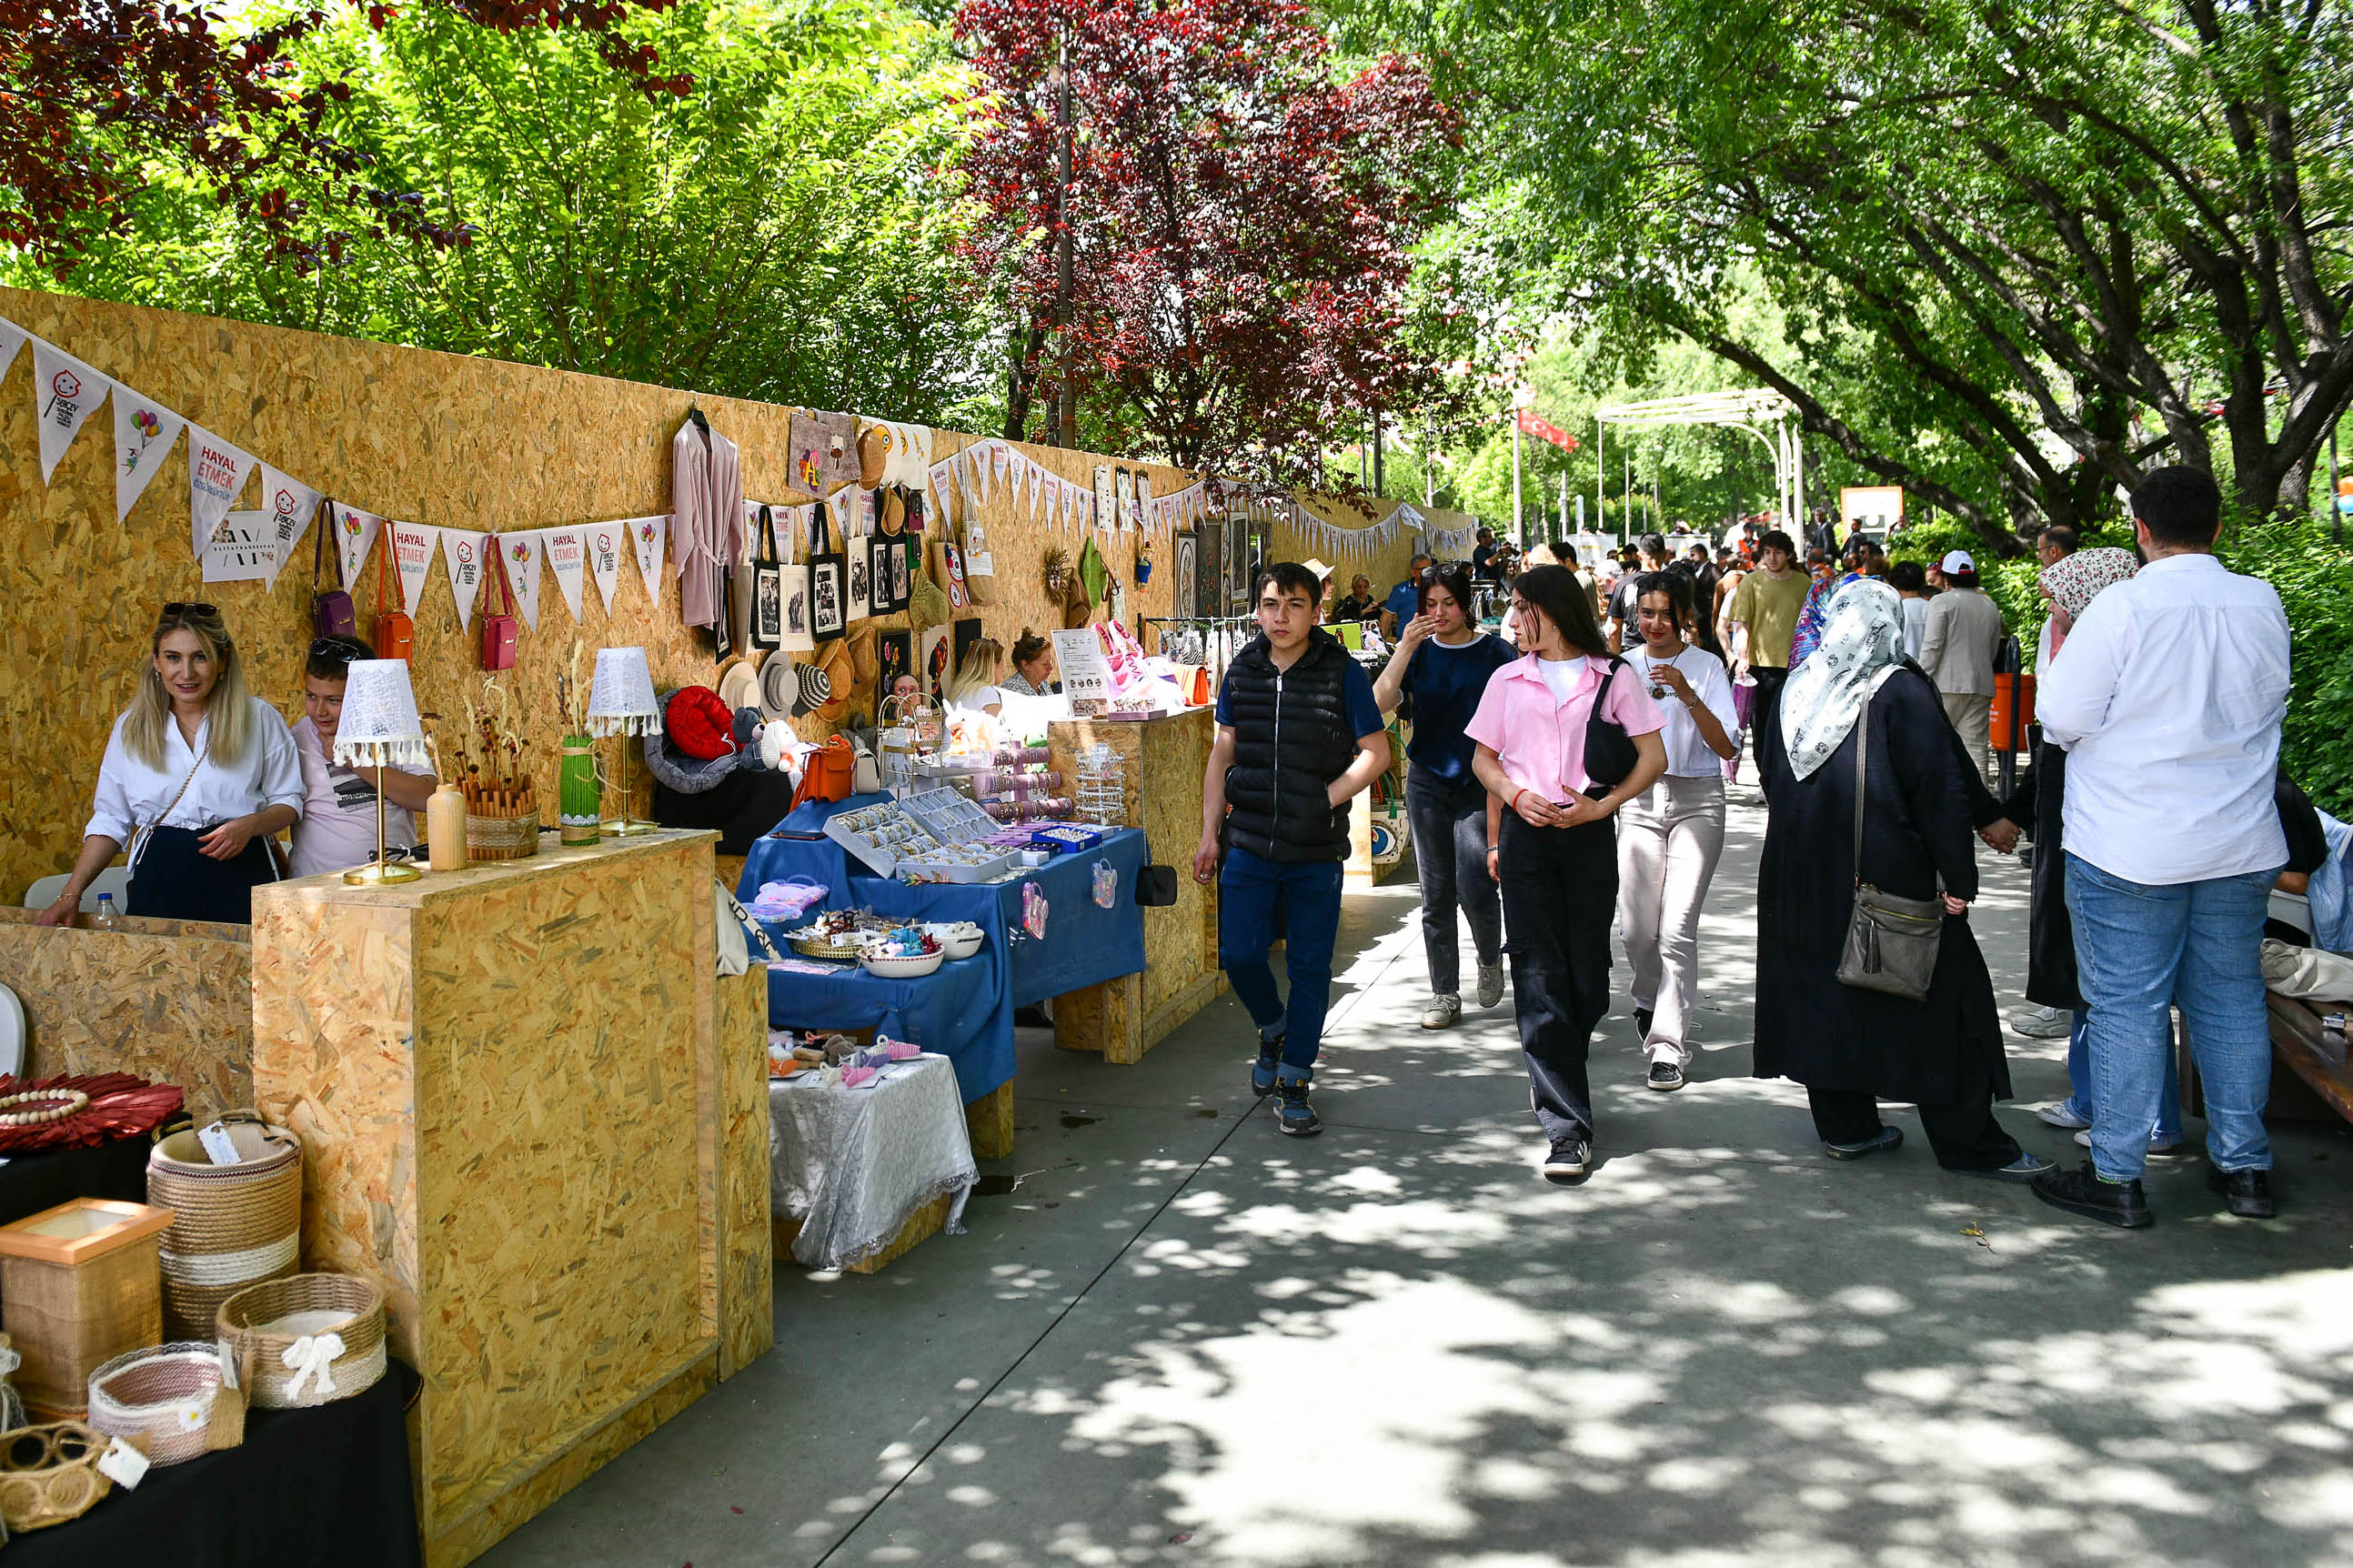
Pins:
<point x="2312" y="573"/>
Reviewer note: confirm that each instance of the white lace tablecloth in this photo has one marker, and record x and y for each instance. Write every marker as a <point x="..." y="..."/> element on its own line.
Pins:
<point x="854" y="1164"/>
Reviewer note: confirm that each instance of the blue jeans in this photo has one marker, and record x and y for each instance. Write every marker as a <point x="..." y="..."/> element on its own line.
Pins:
<point x="2142" y="950"/>
<point x="1252" y="894"/>
<point x="2079" y="1082"/>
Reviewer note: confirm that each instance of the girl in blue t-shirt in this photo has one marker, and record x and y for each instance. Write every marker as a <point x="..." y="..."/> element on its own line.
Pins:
<point x="1442" y="662"/>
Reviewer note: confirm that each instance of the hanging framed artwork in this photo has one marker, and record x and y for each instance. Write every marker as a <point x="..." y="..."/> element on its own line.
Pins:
<point x="894" y="660"/>
<point x="1181" y="598"/>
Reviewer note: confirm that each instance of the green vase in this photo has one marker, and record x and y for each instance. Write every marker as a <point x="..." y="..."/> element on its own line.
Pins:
<point x="579" y="798"/>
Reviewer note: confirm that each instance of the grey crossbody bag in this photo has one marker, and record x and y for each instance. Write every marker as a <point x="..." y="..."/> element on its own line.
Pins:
<point x="1891" y="942"/>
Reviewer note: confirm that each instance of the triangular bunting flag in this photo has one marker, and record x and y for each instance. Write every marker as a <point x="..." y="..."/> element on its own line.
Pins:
<point x="1000" y="458"/>
<point x="567" y="557"/>
<point x="12" y="338"/>
<point x="291" y="505"/>
<point x="144" y="432"/>
<point x="520" y="552"/>
<point x="66" y="393"/>
<point x="1037" y="488"/>
<point x="239" y="549"/>
<point x="605" y="547"/>
<point x="967" y="464"/>
<point x="462" y="558"/>
<point x="1017" y="471"/>
<point x="412" y="557"/>
<point x="354" y="535"/>
<point x="216" y="473"/>
<point x="647" y="535"/>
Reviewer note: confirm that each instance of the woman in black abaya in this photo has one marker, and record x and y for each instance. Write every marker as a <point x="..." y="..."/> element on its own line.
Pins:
<point x="1851" y="1048"/>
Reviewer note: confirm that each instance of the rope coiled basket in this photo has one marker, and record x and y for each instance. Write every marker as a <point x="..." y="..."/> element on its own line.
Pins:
<point x="161" y="1396"/>
<point x="308" y="1339"/>
<point x="50" y="1475"/>
<point x="232" y="1225"/>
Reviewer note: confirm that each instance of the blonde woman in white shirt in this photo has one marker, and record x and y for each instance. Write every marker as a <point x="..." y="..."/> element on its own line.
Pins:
<point x="198" y="776"/>
<point x="1671" y="835"/>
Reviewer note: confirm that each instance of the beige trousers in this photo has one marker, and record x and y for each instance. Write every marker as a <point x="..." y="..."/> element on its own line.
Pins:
<point x="1972" y="716"/>
<point x="1669" y="839"/>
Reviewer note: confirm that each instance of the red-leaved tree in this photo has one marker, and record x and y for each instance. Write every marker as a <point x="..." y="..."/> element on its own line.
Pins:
<point x="1239" y="219"/>
<point x="89" y="89"/>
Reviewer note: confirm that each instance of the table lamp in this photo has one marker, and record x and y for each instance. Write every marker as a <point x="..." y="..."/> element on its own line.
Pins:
<point x="380" y="729"/>
<point x="621" y="703"/>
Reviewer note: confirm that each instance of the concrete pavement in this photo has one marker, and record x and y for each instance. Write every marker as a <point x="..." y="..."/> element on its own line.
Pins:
<point x="1183" y="1339"/>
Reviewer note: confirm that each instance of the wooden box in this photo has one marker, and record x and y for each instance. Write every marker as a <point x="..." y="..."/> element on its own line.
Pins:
<point x="81" y="1284"/>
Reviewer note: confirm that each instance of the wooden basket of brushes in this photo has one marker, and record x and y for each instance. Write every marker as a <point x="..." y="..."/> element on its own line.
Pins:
<point x="501" y="807"/>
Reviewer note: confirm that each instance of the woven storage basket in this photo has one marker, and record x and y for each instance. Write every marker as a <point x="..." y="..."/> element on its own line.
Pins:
<point x="269" y="1325"/>
<point x="232" y="1225"/>
<point x="502" y="837"/>
<point x="161" y="1396"/>
<point x="50" y="1475"/>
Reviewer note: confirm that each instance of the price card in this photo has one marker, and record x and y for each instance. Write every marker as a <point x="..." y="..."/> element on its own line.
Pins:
<point x="1078" y="656"/>
<point x="123" y="1465"/>
<point x="219" y="1146"/>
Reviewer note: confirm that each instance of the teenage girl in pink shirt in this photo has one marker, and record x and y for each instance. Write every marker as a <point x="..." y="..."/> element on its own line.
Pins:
<point x="1561" y="779"/>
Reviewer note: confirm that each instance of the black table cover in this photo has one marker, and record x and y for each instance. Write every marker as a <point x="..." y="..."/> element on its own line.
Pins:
<point x="329" y="1485"/>
<point x="31" y="1182"/>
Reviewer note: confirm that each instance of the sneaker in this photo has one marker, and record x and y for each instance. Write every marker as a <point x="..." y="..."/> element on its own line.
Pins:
<point x="1490" y="985"/>
<point x="2081" y="1191"/>
<point x="1293" y="1114"/>
<point x="1664" y="1075"/>
<point x="2025" y="1168"/>
<point x="2064" y="1114"/>
<point x="2043" y="1023"/>
<point x="2248" y="1194"/>
<point x="1269" y="1059"/>
<point x="2158" y="1147"/>
<point x="1888" y="1140"/>
<point x="1568" y="1158"/>
<point x="1642" y="1022"/>
<point x="1443" y="1009"/>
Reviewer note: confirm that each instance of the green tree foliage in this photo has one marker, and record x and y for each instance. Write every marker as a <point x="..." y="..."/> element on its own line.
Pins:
<point x="784" y="230"/>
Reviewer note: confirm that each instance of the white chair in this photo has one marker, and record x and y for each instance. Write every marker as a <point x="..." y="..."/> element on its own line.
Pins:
<point x="12" y="1033"/>
<point x="115" y="879"/>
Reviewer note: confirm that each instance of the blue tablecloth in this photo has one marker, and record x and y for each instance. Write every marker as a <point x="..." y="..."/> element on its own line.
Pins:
<point x="780" y="859"/>
<point x="956" y="1011"/>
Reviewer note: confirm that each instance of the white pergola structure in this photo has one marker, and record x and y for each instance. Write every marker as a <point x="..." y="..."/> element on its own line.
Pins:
<point x="1767" y="415"/>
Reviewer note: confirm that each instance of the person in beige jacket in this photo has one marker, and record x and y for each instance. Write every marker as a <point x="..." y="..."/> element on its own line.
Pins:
<point x="1957" y="649"/>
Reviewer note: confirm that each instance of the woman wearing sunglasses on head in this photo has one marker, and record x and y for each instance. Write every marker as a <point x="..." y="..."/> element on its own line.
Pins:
<point x="199" y="774"/>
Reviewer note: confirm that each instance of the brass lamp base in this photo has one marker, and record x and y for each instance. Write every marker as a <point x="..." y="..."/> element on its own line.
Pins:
<point x="626" y="827"/>
<point x="380" y="874"/>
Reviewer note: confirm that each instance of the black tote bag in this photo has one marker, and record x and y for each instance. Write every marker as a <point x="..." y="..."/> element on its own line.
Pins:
<point x="828" y="575"/>
<point x="767" y="586"/>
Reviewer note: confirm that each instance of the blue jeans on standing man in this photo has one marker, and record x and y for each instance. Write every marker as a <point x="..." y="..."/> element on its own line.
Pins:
<point x="2079" y="1084"/>
<point x="1252" y="894"/>
<point x="2142" y="950"/>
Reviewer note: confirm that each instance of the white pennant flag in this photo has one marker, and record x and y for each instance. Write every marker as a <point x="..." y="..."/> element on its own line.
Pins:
<point x="976" y="467"/>
<point x="1000" y="458"/>
<point x="291" y="505"/>
<point x="144" y="432"/>
<point x="647" y="535"/>
<point x="518" y="554"/>
<point x="216" y="473"/>
<point x="967" y="463"/>
<point x="462" y="557"/>
<point x="1037" y="488"/>
<point x="606" y="545"/>
<point x="1017" y="468"/>
<point x="239" y="549"/>
<point x="567" y="557"/>
<point x="412" y="557"/>
<point x="355" y="534"/>
<point x="12" y="338"/>
<point x="66" y="393"/>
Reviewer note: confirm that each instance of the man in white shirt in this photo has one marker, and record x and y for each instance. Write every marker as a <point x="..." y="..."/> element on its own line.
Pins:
<point x="2169" y="700"/>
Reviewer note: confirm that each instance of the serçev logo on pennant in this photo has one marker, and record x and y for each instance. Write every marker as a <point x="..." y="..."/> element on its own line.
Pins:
<point x="65" y="389"/>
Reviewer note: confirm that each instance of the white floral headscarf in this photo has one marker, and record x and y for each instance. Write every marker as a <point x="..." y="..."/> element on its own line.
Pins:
<point x="1862" y="640"/>
<point x="2075" y="581"/>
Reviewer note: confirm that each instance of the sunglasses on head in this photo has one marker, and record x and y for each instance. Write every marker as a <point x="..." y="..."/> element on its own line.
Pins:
<point x="189" y="607"/>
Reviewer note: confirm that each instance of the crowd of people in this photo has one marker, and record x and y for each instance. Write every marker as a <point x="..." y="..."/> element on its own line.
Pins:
<point x="1569" y="776"/>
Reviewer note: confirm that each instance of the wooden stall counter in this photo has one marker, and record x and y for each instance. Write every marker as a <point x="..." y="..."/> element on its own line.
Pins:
<point x="531" y="1115"/>
<point x="1162" y="763"/>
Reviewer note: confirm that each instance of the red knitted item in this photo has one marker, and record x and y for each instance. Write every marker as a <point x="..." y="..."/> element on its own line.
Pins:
<point x="119" y="1107"/>
<point x="699" y="724"/>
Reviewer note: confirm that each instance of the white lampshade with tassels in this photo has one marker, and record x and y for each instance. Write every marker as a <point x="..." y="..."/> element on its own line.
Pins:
<point x="621" y="703"/>
<point x="380" y="729"/>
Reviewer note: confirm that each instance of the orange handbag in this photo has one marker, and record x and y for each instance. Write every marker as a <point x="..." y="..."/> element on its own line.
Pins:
<point x="828" y="776"/>
<point x="395" y="634"/>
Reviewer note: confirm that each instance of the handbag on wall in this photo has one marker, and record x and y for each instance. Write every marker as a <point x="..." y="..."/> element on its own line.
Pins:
<point x="1891" y="942"/>
<point x="332" y="614"/>
<point x="499" y="631"/>
<point x="828" y="582"/>
<point x="768" y="628"/>
<point x="395" y="634"/>
<point x="824" y="455"/>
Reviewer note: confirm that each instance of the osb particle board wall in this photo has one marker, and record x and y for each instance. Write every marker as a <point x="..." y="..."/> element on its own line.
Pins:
<point x="425" y="437"/>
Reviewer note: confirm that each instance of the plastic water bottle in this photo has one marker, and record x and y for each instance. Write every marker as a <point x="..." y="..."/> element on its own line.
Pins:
<point x="106" y="918"/>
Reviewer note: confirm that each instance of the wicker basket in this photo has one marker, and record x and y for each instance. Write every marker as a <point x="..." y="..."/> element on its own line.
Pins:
<point x="278" y="1328"/>
<point x="233" y="1226"/>
<point x="502" y="837"/>
<point x="50" y="1475"/>
<point x="840" y="952"/>
<point x="161" y="1396"/>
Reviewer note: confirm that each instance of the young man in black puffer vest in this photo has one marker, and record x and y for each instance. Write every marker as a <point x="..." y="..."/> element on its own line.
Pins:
<point x="1298" y="736"/>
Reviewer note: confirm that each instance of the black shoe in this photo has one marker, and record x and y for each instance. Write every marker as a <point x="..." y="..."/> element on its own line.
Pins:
<point x="2248" y="1192"/>
<point x="1567" y="1159"/>
<point x="1269" y="1059"/>
<point x="1664" y="1076"/>
<point x="1642" y="1022"/>
<point x="2081" y="1191"/>
<point x="1293" y="1114"/>
<point x="1887" y="1140"/>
